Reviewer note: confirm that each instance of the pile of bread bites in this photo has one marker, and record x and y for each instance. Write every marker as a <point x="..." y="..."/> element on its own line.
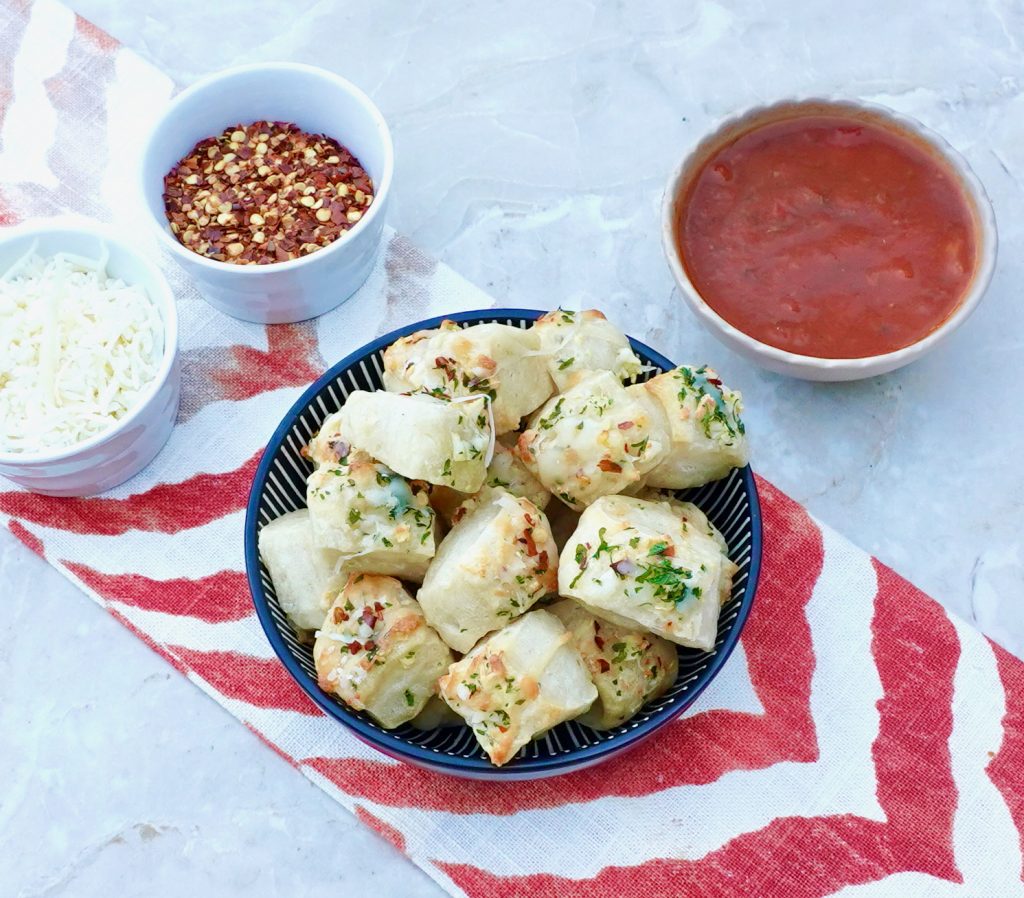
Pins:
<point x="492" y="538"/>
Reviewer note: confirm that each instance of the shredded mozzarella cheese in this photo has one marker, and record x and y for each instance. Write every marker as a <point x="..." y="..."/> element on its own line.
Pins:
<point x="459" y="443"/>
<point x="77" y="350"/>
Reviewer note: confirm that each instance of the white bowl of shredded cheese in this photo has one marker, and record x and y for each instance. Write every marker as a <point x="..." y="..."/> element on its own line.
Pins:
<point x="89" y="380"/>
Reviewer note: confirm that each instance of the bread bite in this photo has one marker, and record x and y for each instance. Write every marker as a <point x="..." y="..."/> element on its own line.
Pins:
<point x="518" y="683"/>
<point x="301" y="571"/>
<point x="594" y="440"/>
<point x="496" y="562"/>
<point x="496" y="360"/>
<point x="628" y="666"/>
<point x="422" y="437"/>
<point x="376" y="652"/>
<point x="702" y="416"/>
<point x="379" y="521"/>
<point x="639" y="564"/>
<point x="575" y="344"/>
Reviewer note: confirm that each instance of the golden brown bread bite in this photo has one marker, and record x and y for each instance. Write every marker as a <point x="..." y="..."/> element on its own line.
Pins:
<point x="422" y="437"/>
<point x="702" y="415"/>
<point x="496" y="562"/>
<point x="639" y="564"/>
<point x="594" y="440"/>
<point x="376" y="652"/>
<point x="377" y="520"/>
<point x="518" y="683"/>
<point x="628" y="666"/>
<point x="496" y="360"/>
<point x="579" y="343"/>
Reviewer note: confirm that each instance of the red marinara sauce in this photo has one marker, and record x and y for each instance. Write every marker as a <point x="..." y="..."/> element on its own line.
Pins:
<point x="828" y="236"/>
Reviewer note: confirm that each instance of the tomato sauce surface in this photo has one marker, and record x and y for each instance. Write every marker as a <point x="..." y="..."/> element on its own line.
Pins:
<point x="828" y="236"/>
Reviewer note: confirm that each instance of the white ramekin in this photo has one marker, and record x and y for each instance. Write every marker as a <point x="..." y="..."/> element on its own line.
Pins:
<point x="125" y="448"/>
<point x="810" y="367"/>
<point x="317" y="101"/>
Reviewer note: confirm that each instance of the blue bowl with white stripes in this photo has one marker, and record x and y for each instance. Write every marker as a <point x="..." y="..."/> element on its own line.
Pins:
<point x="280" y="486"/>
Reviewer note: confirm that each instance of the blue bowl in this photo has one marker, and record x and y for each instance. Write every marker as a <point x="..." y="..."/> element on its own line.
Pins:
<point x="280" y="486"/>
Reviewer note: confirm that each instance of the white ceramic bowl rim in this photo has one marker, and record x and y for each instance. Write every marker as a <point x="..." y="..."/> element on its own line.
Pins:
<point x="381" y="187"/>
<point x="168" y="312"/>
<point x="987" y="237"/>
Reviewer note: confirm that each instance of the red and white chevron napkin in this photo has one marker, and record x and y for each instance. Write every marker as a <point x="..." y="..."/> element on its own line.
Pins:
<point x="860" y="742"/>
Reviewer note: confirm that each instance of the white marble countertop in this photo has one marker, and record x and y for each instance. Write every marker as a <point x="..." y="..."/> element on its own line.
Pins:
<point x="533" y="141"/>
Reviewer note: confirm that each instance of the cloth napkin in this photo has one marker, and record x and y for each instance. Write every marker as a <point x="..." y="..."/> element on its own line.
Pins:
<point x="860" y="742"/>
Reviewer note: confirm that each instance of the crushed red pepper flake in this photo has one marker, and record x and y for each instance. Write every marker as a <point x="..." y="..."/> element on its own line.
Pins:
<point x="527" y="540"/>
<point x="265" y="192"/>
<point x="542" y="563"/>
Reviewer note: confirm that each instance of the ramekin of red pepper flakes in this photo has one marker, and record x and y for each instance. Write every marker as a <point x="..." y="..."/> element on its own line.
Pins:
<point x="265" y="192"/>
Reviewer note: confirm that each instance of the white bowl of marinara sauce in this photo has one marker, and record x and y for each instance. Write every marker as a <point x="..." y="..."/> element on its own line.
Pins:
<point x="828" y="268"/>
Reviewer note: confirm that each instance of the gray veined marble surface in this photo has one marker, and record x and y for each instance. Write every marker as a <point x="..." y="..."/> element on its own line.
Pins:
<point x="533" y="140"/>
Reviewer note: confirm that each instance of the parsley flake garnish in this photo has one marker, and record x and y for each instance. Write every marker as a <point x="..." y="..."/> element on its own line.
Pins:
<point x="549" y="422"/>
<point x="669" y="582"/>
<point x="604" y="546"/>
<point x="581" y="559"/>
